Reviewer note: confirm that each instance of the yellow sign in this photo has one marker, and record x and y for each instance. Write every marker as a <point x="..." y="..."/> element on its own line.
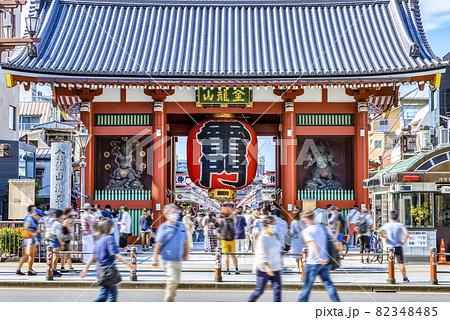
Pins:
<point x="224" y="97"/>
<point x="10" y="81"/>
<point x="21" y="195"/>
<point x="222" y="193"/>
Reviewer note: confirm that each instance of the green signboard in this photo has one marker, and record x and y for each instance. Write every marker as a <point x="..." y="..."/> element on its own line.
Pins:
<point x="224" y="97"/>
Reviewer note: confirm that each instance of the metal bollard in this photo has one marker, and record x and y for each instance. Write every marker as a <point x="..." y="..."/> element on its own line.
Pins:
<point x="218" y="275"/>
<point x="49" y="263"/>
<point x="133" y="261"/>
<point x="391" y="266"/>
<point x="433" y="266"/>
<point x="303" y="261"/>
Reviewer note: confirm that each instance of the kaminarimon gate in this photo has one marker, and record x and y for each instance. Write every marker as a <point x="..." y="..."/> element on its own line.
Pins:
<point x="303" y="72"/>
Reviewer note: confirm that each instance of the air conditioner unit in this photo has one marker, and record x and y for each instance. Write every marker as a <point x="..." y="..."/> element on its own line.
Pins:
<point x="424" y="140"/>
<point x="443" y="136"/>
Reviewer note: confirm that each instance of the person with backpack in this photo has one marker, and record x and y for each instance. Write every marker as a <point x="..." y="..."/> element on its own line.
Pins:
<point x="172" y="242"/>
<point x="227" y="234"/>
<point x="316" y="237"/>
<point x="352" y="220"/>
<point x="337" y="226"/>
<point x="364" y="226"/>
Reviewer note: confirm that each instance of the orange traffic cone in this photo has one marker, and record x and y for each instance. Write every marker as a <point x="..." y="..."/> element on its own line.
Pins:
<point x="442" y="259"/>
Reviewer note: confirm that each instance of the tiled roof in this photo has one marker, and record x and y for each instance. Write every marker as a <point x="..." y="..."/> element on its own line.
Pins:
<point x="407" y="164"/>
<point x="238" y="39"/>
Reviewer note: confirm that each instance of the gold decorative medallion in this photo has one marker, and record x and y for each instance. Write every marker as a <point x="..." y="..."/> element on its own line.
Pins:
<point x="143" y="166"/>
<point x="107" y="166"/>
<point x="124" y="138"/>
<point x="136" y="142"/>
<point x="106" y="154"/>
<point x="142" y="153"/>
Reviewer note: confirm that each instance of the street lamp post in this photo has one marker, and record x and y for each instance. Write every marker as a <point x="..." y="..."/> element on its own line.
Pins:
<point x="32" y="24"/>
<point x="82" y="139"/>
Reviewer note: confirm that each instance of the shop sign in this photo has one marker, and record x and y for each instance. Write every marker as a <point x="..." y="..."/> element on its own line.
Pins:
<point x="417" y="239"/>
<point x="445" y="189"/>
<point x="222" y="154"/>
<point x="438" y="177"/>
<point x="224" y="97"/>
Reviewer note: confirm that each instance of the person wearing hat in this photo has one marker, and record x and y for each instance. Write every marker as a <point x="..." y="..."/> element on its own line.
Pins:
<point x="30" y="239"/>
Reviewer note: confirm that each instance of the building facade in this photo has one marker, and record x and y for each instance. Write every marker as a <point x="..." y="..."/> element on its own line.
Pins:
<point x="288" y="68"/>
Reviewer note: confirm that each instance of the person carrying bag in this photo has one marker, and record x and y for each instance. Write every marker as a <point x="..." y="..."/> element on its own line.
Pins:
<point x="106" y="253"/>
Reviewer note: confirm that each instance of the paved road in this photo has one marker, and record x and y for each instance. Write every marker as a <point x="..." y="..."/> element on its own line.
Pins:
<point x="73" y="295"/>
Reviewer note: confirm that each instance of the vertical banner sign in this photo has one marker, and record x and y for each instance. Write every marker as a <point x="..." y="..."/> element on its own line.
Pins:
<point x="222" y="153"/>
<point x="61" y="154"/>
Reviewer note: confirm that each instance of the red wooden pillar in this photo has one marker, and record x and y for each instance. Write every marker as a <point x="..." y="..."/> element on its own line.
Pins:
<point x="288" y="160"/>
<point x="361" y="154"/>
<point x="159" y="170"/>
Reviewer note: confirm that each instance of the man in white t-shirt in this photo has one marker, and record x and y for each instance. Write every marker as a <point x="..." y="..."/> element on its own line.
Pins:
<point x="316" y="238"/>
<point x="125" y="230"/>
<point x="396" y="236"/>
<point x="352" y="220"/>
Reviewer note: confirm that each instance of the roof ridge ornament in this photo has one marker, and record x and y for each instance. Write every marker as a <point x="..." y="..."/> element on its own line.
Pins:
<point x="414" y="50"/>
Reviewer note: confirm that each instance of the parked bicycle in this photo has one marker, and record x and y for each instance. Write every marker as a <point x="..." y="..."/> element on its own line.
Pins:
<point x="376" y="247"/>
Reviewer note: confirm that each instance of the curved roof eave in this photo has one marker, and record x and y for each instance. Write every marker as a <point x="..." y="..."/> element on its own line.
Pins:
<point x="394" y="24"/>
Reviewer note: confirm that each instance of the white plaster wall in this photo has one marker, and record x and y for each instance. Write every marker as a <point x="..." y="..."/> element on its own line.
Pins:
<point x="339" y="95"/>
<point x="182" y="95"/>
<point x="310" y="95"/>
<point x="109" y="95"/>
<point x="137" y="95"/>
<point x="8" y="97"/>
<point x="265" y="95"/>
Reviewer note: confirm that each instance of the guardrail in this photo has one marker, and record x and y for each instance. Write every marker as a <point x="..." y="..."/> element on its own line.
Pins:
<point x="11" y="241"/>
<point x="433" y="265"/>
<point x="218" y="254"/>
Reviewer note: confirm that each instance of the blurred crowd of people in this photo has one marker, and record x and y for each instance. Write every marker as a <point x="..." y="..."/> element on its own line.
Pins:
<point x="263" y="232"/>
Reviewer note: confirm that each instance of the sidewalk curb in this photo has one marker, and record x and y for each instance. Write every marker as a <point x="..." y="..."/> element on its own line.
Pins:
<point x="229" y="286"/>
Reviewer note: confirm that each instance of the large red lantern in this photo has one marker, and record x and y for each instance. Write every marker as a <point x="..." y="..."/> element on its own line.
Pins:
<point x="222" y="154"/>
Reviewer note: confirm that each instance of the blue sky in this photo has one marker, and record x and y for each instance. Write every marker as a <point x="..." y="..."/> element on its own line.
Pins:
<point x="436" y="21"/>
